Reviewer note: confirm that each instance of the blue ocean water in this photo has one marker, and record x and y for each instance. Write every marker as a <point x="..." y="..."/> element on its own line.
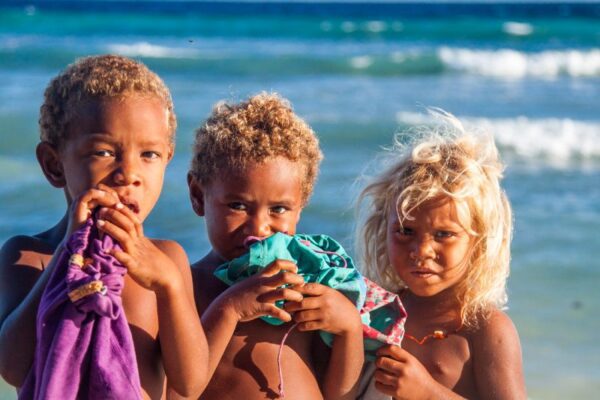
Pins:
<point x="358" y="73"/>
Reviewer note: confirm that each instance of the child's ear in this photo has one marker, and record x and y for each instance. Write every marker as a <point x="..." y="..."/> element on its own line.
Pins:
<point x="171" y="152"/>
<point x="196" y="194"/>
<point x="49" y="160"/>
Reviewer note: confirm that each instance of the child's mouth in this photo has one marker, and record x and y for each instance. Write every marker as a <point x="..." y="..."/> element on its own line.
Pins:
<point x="132" y="205"/>
<point x="424" y="273"/>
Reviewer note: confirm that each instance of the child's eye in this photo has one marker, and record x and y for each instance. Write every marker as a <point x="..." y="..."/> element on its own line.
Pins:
<point x="278" y="209"/>
<point x="404" y="231"/>
<point x="151" y="154"/>
<point x="236" y="205"/>
<point x="103" y="153"/>
<point x="443" y="234"/>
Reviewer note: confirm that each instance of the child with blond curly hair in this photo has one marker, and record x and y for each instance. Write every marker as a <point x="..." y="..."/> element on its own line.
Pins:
<point x="436" y="227"/>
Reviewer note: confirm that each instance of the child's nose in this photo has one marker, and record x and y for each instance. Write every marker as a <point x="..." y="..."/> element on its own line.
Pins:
<point x="259" y="226"/>
<point x="422" y="248"/>
<point x="127" y="173"/>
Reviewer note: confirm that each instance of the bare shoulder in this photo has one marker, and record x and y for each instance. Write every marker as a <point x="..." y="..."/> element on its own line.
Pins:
<point x="174" y="250"/>
<point x="22" y="261"/>
<point x="497" y="327"/>
<point x="498" y="365"/>
<point x="25" y="251"/>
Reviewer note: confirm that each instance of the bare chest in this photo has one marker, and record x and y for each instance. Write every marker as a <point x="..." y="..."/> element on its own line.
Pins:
<point x="140" y="309"/>
<point x="447" y="360"/>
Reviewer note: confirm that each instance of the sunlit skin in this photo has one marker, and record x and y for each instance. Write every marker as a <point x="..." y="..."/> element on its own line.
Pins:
<point x="267" y="198"/>
<point x="430" y="253"/>
<point x="430" y="250"/>
<point x="113" y="162"/>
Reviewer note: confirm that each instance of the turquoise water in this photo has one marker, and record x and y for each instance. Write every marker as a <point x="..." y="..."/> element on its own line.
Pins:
<point x="531" y="75"/>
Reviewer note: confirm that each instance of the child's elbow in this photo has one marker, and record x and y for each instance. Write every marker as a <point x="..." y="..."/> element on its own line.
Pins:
<point x="9" y="373"/>
<point x="9" y="370"/>
<point x="191" y="389"/>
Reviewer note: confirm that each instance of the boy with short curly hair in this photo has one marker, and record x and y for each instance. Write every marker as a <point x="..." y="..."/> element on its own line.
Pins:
<point x="253" y="170"/>
<point x="107" y="134"/>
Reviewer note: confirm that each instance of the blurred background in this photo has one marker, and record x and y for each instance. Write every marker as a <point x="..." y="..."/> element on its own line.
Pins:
<point x="358" y="73"/>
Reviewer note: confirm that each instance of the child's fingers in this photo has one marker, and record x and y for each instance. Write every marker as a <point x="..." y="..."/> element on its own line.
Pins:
<point x="306" y="315"/>
<point x="132" y="216"/>
<point x="283" y="278"/>
<point x="86" y="202"/>
<point x="274" y="311"/>
<point x="307" y="303"/>
<point x="385" y="378"/>
<point x="119" y="217"/>
<point x="279" y="265"/>
<point x="116" y="232"/>
<point x="312" y="289"/>
<point x="122" y="257"/>
<point x="389" y="365"/>
<point x="389" y="390"/>
<point x="314" y="325"/>
<point x="395" y="352"/>
<point x="285" y="294"/>
<point x="108" y="189"/>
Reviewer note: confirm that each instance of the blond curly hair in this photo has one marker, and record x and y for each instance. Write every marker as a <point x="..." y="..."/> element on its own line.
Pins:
<point x="252" y="131"/>
<point x="96" y="78"/>
<point x="445" y="161"/>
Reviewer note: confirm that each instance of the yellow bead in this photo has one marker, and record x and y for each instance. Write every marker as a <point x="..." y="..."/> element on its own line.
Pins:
<point x="439" y="334"/>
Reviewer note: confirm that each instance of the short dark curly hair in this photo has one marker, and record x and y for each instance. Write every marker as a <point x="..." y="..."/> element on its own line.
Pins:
<point x="96" y="78"/>
<point x="252" y="131"/>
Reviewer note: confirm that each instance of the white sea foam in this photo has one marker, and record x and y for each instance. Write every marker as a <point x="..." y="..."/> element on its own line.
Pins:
<point x="348" y="26"/>
<point x="361" y="62"/>
<point x="376" y="26"/>
<point x="517" y="28"/>
<point x="508" y="63"/>
<point x="145" y="49"/>
<point x="555" y="141"/>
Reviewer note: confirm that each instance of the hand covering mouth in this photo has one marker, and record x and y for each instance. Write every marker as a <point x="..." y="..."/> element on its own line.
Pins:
<point x="131" y="204"/>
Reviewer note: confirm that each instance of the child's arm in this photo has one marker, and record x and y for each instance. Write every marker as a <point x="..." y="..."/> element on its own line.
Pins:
<point x="497" y="366"/>
<point x="497" y="360"/>
<point x="248" y="300"/>
<point x="22" y="282"/>
<point x="23" y="277"/>
<point x="163" y="268"/>
<point x="324" y="308"/>
<point x="399" y="374"/>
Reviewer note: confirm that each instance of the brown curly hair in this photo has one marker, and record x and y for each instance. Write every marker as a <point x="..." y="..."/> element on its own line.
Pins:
<point x="262" y="127"/>
<point x="96" y="78"/>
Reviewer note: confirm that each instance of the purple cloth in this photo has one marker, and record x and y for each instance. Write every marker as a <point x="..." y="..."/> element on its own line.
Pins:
<point x="84" y="348"/>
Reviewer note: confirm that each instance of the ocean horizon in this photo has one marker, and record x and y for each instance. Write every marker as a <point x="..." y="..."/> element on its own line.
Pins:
<point x="358" y="73"/>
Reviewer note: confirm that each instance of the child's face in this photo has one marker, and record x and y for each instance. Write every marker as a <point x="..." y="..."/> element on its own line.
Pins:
<point x="265" y="199"/>
<point x="429" y="253"/>
<point x="122" y="143"/>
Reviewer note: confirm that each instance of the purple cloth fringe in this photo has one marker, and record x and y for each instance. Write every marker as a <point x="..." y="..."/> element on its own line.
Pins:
<point x="84" y="349"/>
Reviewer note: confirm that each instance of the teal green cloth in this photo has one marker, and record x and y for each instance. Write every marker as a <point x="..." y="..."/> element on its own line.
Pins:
<point x="319" y="259"/>
<point x="322" y="260"/>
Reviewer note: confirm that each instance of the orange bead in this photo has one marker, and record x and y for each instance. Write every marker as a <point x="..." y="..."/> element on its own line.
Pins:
<point x="439" y="334"/>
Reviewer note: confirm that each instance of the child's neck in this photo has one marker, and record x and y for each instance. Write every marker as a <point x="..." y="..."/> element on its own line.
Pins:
<point x="211" y="261"/>
<point x="441" y="308"/>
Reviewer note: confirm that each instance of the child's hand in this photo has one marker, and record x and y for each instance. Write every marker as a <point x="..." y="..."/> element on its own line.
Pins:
<point x="149" y="266"/>
<point x="256" y="296"/>
<point x="324" y="308"/>
<point x="82" y="206"/>
<point x="400" y="375"/>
